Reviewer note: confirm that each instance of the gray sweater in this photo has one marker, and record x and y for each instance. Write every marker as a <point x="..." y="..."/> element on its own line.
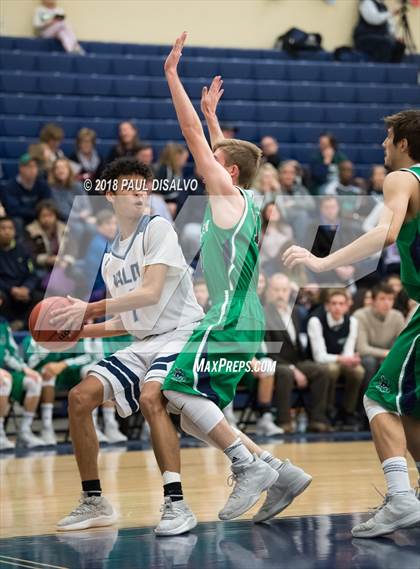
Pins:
<point x="376" y="333"/>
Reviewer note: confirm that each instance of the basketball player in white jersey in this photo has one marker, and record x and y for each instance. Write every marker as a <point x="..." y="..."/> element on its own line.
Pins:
<point x="152" y="296"/>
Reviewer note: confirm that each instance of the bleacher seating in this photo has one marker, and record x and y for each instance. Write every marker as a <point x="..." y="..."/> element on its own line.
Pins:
<point x="265" y="93"/>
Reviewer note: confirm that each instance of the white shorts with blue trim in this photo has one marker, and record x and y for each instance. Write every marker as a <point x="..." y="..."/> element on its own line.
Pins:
<point x="129" y="369"/>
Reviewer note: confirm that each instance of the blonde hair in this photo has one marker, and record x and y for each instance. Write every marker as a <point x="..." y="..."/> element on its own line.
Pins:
<point x="169" y="154"/>
<point x="245" y="155"/>
<point x="84" y="133"/>
<point x="52" y="179"/>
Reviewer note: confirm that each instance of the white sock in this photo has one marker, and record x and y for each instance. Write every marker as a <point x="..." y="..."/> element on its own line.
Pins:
<point x="47" y="415"/>
<point x="396" y="475"/>
<point x="108" y="413"/>
<point x="26" y="423"/>
<point x="169" y="477"/>
<point x="238" y="454"/>
<point x="271" y="460"/>
<point x="2" y="426"/>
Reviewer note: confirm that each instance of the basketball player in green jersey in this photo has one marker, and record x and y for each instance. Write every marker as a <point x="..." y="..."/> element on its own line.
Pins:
<point x="232" y="331"/>
<point x="392" y="400"/>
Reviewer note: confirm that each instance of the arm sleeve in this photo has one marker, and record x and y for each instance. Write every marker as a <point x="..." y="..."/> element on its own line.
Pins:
<point x="316" y="338"/>
<point x="350" y="344"/>
<point x="161" y="245"/>
<point x="371" y="14"/>
<point x="12" y="357"/>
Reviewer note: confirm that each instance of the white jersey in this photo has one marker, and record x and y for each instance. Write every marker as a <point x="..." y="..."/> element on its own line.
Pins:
<point x="123" y="268"/>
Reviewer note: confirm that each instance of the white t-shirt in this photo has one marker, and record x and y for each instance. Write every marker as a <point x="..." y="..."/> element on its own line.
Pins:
<point x="43" y="14"/>
<point x="123" y="268"/>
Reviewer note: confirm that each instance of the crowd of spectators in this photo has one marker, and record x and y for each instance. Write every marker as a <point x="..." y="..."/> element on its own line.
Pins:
<point x="326" y="334"/>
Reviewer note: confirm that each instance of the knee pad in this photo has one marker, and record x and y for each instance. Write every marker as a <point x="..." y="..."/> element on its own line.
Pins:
<point x="188" y="427"/>
<point x="204" y="414"/>
<point x="32" y="387"/>
<point x="373" y="408"/>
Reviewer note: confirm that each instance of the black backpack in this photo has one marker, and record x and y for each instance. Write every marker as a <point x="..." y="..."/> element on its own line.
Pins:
<point x="296" y="40"/>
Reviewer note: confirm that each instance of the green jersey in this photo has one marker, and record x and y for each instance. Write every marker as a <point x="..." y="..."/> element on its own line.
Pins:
<point x="213" y="360"/>
<point x="229" y="257"/>
<point x="9" y="351"/>
<point x="408" y="243"/>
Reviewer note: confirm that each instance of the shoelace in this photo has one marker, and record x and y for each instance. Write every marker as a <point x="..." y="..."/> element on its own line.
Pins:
<point x="233" y="480"/>
<point x="385" y="499"/>
<point x="168" y="510"/>
<point x="84" y="506"/>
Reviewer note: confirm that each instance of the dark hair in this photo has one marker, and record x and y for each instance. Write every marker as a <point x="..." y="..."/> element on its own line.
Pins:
<point x="331" y="138"/>
<point x="144" y="146"/>
<point x="406" y="124"/>
<point x="6" y="218"/>
<point x="382" y="287"/>
<point x="45" y="204"/>
<point x="126" y="167"/>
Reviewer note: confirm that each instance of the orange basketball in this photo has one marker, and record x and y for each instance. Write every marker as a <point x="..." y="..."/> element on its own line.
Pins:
<point x="44" y="333"/>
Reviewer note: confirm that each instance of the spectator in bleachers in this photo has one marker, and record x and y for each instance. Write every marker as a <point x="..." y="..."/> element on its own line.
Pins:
<point x="267" y="183"/>
<point x="346" y="188"/>
<point x="361" y="299"/>
<point x="88" y="268"/>
<point x="40" y="152"/>
<point x="262" y="286"/>
<point x="44" y="237"/>
<point x="401" y="302"/>
<point x="376" y="181"/>
<point x="321" y="234"/>
<point x="18" y="280"/>
<point x="170" y="168"/>
<point x="294" y="202"/>
<point x="86" y="156"/>
<point x="375" y="32"/>
<point x="229" y="130"/>
<point x="275" y="233"/>
<point x="128" y="142"/>
<point x="270" y="149"/>
<point x="324" y="163"/>
<point x="50" y="22"/>
<point x="332" y="340"/>
<point x="2" y="210"/>
<point x="52" y="136"/>
<point x="64" y="190"/>
<point x="379" y="326"/>
<point x="20" y="196"/>
<point x="145" y="154"/>
<point x="19" y="383"/>
<point x="293" y="369"/>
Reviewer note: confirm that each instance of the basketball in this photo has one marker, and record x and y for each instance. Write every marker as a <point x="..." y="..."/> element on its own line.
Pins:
<point x="44" y="333"/>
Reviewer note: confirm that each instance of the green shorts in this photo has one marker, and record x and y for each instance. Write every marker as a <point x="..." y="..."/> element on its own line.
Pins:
<point x="215" y="358"/>
<point x="68" y="378"/>
<point x="18" y="391"/>
<point x="396" y="385"/>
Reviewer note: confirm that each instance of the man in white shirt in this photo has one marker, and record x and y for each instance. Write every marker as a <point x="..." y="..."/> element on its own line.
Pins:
<point x="332" y="341"/>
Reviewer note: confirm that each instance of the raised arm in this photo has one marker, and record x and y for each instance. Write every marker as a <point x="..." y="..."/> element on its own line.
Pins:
<point x="210" y="98"/>
<point x="398" y="189"/>
<point x="218" y="181"/>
